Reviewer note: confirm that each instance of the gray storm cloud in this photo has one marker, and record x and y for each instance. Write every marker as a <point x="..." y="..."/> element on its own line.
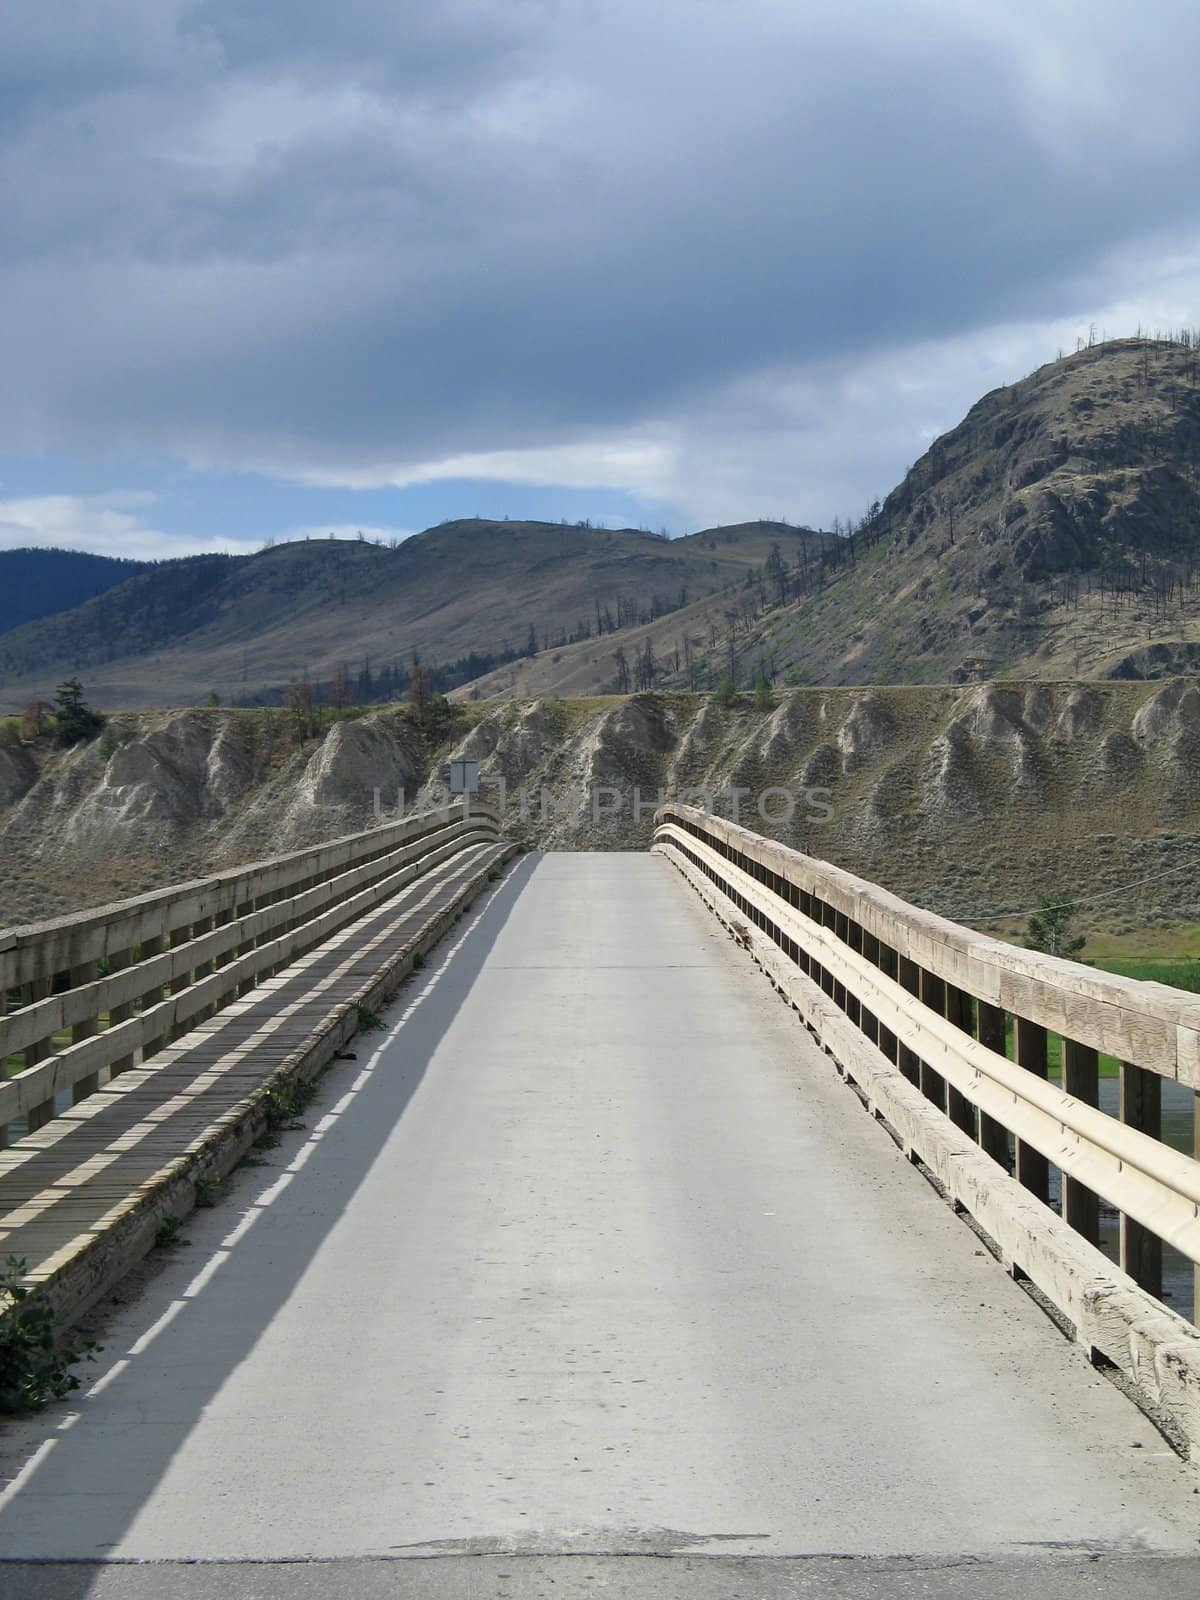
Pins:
<point x="259" y="236"/>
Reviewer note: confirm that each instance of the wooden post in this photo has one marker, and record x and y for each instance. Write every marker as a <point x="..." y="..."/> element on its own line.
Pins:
<point x="38" y="1116"/>
<point x="1033" y="1169"/>
<point x="152" y="947"/>
<point x="1081" y="1078"/>
<point x="203" y="969"/>
<point x="1141" y="1108"/>
<point x="909" y="976"/>
<point x="87" y="1029"/>
<point x="933" y="995"/>
<point x="960" y="1012"/>
<point x="993" y="1030"/>
<point x="883" y="957"/>
<point x="244" y="910"/>
<point x="179" y="984"/>
<point x="120" y="1013"/>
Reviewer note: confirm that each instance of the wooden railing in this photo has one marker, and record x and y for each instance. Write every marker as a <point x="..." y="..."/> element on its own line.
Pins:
<point x="947" y="1033"/>
<point x="84" y="997"/>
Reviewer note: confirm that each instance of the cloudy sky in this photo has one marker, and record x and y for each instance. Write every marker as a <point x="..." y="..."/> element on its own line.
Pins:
<point x="268" y="267"/>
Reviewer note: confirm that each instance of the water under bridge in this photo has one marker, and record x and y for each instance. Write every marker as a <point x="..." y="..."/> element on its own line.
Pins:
<point x="704" y="1222"/>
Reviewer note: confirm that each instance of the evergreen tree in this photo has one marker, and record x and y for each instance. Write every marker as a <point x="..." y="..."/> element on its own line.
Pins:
<point x="1051" y="928"/>
<point x="764" y="700"/>
<point x="74" y="719"/>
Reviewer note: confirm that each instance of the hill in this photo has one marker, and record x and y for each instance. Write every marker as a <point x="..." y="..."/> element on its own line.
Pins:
<point x="465" y="596"/>
<point x="974" y="800"/>
<point x="1054" y="533"/>
<point x="37" y="583"/>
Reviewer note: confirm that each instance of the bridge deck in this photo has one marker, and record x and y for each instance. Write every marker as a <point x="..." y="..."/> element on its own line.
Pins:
<point x="592" y="1254"/>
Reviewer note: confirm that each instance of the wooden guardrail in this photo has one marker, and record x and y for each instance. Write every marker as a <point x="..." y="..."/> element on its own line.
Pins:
<point x="85" y="997"/>
<point x="922" y="1013"/>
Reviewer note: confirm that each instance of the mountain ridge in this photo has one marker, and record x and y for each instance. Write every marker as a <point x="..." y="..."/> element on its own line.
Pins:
<point x="244" y="627"/>
<point x="1053" y="533"/>
<point x="38" y="581"/>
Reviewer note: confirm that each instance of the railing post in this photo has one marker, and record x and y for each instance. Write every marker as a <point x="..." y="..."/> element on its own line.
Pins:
<point x="246" y="909"/>
<point x="1033" y="1169"/>
<point x="933" y="995"/>
<point x="178" y="984"/>
<point x="1141" y="1108"/>
<point x="993" y="1034"/>
<point x="854" y="938"/>
<point x="889" y="964"/>
<point x="152" y="947"/>
<point x="82" y="1087"/>
<point x="202" y="970"/>
<point x="1081" y="1078"/>
<point x="38" y="1116"/>
<point x="119" y="1013"/>
<point x="959" y="1012"/>
<point x="910" y="979"/>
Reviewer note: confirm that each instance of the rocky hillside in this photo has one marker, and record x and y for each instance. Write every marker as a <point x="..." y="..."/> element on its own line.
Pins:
<point x="465" y="594"/>
<point x="1054" y="533"/>
<point x="972" y="800"/>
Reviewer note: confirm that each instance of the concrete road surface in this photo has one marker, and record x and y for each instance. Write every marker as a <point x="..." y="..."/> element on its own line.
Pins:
<point x="589" y="1261"/>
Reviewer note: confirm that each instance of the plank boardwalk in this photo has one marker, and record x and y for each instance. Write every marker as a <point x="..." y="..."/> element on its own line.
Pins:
<point x="65" y="1183"/>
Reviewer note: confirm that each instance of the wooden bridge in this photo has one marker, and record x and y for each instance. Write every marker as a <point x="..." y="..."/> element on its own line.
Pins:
<point x="597" y="1264"/>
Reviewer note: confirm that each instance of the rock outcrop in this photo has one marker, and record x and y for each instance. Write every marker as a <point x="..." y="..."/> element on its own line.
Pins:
<point x="964" y="798"/>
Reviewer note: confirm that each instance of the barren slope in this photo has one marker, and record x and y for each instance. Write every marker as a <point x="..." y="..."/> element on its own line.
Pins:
<point x="1054" y="533"/>
<point x="245" y="626"/>
<point x="972" y="800"/>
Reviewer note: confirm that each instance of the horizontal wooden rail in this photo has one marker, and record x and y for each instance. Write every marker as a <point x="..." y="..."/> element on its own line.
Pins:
<point x="1134" y="1172"/>
<point x="151" y="993"/>
<point x="83" y="1198"/>
<point x="45" y="950"/>
<point x="840" y="946"/>
<point x="1150" y="1023"/>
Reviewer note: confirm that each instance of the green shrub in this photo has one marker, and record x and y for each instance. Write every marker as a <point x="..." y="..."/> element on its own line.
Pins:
<point x="35" y="1366"/>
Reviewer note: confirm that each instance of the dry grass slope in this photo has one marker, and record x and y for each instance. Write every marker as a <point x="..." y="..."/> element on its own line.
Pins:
<point x="973" y="800"/>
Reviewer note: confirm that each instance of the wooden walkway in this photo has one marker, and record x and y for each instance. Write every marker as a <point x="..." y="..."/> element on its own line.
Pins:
<point x="64" y="1185"/>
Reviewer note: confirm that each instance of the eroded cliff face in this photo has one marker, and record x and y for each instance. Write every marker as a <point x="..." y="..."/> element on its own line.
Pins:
<point x="971" y="800"/>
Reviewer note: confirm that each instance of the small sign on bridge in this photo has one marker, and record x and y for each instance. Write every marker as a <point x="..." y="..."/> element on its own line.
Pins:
<point x="464" y="777"/>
